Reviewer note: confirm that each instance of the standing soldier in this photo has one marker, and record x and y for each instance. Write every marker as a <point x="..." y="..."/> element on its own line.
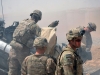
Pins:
<point x="85" y="49"/>
<point x="38" y="63"/>
<point x="69" y="62"/>
<point x="23" y="38"/>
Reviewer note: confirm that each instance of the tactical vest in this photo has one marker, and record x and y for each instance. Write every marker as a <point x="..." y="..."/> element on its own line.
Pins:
<point x="37" y="65"/>
<point x="25" y="32"/>
<point x="76" y="65"/>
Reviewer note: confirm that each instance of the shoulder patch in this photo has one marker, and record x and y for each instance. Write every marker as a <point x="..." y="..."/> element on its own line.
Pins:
<point x="68" y="60"/>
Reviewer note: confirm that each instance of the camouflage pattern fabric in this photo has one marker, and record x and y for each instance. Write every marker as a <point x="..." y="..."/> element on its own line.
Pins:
<point x="38" y="13"/>
<point x="26" y="31"/>
<point x="74" y="33"/>
<point x="16" y="56"/>
<point x="40" y="42"/>
<point x="38" y="65"/>
<point x="23" y="37"/>
<point x="69" y="63"/>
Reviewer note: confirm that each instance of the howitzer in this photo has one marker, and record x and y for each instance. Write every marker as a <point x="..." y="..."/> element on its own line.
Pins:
<point x="8" y="32"/>
<point x="3" y="72"/>
<point x="54" y="24"/>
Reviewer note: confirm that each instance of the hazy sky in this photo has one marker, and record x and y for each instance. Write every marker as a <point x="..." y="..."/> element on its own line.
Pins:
<point x="45" y="5"/>
<point x="17" y="10"/>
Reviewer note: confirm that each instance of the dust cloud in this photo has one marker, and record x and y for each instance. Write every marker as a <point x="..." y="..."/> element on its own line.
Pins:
<point x="67" y="19"/>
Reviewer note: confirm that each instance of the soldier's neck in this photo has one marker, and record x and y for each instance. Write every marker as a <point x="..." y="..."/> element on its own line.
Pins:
<point x="72" y="46"/>
<point x="39" y="52"/>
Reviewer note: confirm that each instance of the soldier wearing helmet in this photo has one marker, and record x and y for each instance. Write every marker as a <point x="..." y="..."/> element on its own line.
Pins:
<point x="69" y="62"/>
<point x="85" y="49"/>
<point x="38" y="63"/>
<point x="37" y="13"/>
<point x="22" y="42"/>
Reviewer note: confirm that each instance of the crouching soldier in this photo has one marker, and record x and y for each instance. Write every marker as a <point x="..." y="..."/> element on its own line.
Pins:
<point x="38" y="63"/>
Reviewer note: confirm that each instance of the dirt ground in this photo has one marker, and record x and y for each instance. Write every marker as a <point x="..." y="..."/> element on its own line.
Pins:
<point x="92" y="67"/>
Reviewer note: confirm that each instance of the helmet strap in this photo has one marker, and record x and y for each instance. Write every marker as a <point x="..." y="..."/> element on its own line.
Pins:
<point x="35" y="17"/>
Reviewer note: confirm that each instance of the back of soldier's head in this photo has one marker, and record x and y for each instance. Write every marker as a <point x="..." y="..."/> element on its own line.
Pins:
<point x="91" y="26"/>
<point x="74" y="33"/>
<point x="40" y="42"/>
<point x="37" y="13"/>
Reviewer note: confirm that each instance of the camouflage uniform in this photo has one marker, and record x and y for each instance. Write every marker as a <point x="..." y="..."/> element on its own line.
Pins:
<point x="85" y="49"/>
<point x="69" y="62"/>
<point x="38" y="64"/>
<point x="23" y="38"/>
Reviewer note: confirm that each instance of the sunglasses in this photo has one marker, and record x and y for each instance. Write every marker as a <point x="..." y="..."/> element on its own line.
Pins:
<point x="78" y="40"/>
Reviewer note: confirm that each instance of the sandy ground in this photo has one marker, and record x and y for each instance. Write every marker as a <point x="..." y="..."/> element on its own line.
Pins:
<point x="93" y="65"/>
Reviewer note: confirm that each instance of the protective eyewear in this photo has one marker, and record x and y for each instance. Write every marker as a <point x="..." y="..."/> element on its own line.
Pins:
<point x="78" y="40"/>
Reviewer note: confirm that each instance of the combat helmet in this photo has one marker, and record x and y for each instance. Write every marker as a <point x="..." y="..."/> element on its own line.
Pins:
<point x="74" y="33"/>
<point x="92" y="26"/>
<point x="40" y="42"/>
<point x="38" y="12"/>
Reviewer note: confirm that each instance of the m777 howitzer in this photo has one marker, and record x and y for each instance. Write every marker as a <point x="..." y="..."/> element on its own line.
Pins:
<point x="4" y="54"/>
<point x="5" y="38"/>
<point x="8" y="32"/>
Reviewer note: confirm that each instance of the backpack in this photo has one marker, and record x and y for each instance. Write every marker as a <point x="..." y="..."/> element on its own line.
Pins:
<point x="37" y="65"/>
<point x="50" y="34"/>
<point x="25" y="32"/>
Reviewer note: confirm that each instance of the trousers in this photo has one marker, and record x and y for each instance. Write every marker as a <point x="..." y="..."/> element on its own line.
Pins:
<point x="16" y="57"/>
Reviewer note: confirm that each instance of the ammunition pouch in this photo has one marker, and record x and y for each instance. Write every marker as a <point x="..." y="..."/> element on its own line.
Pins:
<point x="16" y="45"/>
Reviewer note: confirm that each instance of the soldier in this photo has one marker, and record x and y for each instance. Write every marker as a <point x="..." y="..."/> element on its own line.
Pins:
<point x="69" y="62"/>
<point x="85" y="49"/>
<point x="23" y="38"/>
<point x="38" y="63"/>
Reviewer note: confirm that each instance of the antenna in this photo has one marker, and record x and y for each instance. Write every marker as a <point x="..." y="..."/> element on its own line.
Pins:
<point x="2" y="9"/>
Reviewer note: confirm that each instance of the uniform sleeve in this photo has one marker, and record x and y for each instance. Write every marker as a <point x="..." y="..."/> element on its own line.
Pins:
<point x="51" y="66"/>
<point x="67" y="64"/>
<point x="24" y="67"/>
<point x="36" y="29"/>
<point x="88" y="41"/>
